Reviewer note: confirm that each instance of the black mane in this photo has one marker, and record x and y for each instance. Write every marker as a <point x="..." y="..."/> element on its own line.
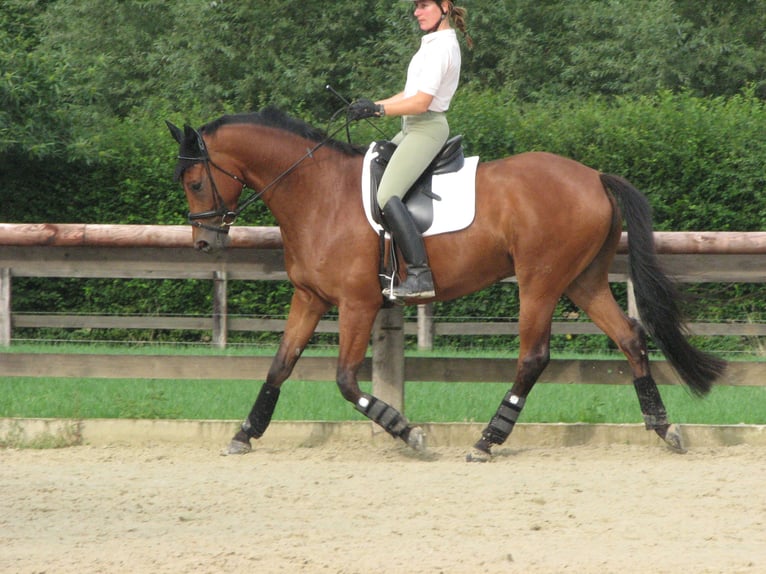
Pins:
<point x="275" y="118"/>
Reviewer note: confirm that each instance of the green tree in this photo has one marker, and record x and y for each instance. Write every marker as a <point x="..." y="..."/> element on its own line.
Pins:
<point x="725" y="49"/>
<point x="29" y="118"/>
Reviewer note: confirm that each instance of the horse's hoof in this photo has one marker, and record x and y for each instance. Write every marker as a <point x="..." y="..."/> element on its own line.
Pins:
<point x="674" y="439"/>
<point x="237" y="447"/>
<point x="478" y="455"/>
<point x="416" y="439"/>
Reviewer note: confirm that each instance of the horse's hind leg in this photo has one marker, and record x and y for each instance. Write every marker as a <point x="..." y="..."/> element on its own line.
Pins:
<point x="535" y="315"/>
<point x="592" y="294"/>
<point x="305" y="311"/>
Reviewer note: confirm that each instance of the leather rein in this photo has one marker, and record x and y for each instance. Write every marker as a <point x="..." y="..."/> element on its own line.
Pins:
<point x="221" y="210"/>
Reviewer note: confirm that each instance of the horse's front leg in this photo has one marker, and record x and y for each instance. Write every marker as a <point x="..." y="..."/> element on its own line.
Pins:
<point x="355" y="327"/>
<point x="305" y="311"/>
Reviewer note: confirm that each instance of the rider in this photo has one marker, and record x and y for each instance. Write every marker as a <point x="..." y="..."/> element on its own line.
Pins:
<point x="432" y="78"/>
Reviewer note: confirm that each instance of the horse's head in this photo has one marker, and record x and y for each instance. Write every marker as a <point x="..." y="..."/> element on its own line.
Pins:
<point x="212" y="199"/>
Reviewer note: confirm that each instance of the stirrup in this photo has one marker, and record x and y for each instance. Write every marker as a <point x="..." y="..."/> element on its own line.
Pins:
<point x="418" y="284"/>
<point x="394" y="296"/>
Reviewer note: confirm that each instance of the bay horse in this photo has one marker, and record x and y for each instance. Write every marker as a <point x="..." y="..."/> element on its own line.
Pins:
<point x="552" y="222"/>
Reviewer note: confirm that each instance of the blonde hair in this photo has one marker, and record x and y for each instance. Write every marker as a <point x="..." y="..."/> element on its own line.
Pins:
<point x="458" y="16"/>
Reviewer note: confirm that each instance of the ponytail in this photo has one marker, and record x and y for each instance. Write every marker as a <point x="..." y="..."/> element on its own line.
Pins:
<point x="458" y="15"/>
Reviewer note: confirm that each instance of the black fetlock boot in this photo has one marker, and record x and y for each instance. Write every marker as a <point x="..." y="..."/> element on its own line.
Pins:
<point x="419" y="283"/>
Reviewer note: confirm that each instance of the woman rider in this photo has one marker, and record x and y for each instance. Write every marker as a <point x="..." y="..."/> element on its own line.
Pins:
<point x="432" y="78"/>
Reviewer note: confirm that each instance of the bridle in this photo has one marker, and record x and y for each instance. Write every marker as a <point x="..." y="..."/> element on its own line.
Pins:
<point x="221" y="210"/>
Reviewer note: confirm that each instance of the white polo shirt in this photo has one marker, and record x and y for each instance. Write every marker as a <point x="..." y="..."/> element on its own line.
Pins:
<point x="435" y="69"/>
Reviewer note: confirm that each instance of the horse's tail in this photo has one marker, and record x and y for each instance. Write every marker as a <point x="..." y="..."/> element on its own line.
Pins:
<point x="656" y="296"/>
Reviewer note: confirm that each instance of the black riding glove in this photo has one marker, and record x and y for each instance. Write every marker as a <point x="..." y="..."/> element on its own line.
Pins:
<point x="364" y="108"/>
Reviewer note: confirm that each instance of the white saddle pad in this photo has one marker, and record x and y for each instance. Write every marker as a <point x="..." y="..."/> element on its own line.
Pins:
<point x="457" y="191"/>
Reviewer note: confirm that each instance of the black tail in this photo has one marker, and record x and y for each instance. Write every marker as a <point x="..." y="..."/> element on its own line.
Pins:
<point x="656" y="296"/>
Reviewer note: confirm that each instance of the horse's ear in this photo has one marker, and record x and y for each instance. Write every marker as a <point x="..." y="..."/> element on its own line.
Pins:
<point x="175" y="131"/>
<point x="190" y="136"/>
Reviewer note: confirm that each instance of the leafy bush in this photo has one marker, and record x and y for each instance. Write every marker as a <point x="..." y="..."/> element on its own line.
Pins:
<point x="670" y="97"/>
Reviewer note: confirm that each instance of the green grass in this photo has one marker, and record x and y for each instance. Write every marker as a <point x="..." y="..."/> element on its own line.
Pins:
<point x="301" y="400"/>
<point x="425" y="402"/>
<point x="183" y="349"/>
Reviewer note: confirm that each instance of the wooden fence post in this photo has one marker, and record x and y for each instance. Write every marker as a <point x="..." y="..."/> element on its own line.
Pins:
<point x="220" y="310"/>
<point x="632" y="308"/>
<point x="5" y="307"/>
<point x="388" y="357"/>
<point x="426" y="327"/>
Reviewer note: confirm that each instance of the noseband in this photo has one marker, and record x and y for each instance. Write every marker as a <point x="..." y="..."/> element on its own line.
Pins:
<point x="226" y="215"/>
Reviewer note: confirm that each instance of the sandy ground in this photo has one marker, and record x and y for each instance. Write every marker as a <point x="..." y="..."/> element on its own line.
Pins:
<point x="352" y="507"/>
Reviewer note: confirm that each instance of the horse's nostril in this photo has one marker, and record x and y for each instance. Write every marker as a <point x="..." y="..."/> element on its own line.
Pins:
<point x="202" y="245"/>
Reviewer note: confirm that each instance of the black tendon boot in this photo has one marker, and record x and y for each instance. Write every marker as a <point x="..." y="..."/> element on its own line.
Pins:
<point x="419" y="283"/>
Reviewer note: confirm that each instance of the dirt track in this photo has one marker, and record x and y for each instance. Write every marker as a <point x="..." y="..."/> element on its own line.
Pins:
<point x="351" y="507"/>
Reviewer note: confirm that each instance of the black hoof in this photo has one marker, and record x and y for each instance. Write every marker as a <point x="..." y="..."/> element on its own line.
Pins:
<point x="481" y="452"/>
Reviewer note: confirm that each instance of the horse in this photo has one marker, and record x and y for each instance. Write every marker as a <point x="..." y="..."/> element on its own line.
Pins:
<point x="550" y="221"/>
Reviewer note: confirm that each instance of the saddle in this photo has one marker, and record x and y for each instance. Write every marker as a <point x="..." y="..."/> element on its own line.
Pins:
<point x="420" y="197"/>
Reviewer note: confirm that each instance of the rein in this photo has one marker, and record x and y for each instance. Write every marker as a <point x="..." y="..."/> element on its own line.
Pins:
<point x="228" y="216"/>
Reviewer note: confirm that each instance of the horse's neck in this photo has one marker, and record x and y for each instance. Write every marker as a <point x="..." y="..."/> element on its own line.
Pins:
<point x="269" y="157"/>
<point x="323" y="185"/>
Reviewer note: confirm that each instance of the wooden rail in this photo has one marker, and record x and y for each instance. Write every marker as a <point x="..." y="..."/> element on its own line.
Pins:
<point x="165" y="252"/>
<point x="416" y="369"/>
<point x="163" y="236"/>
<point x="160" y="236"/>
<point x="151" y="251"/>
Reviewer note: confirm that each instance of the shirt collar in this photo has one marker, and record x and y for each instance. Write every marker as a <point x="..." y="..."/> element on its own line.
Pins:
<point x="433" y="36"/>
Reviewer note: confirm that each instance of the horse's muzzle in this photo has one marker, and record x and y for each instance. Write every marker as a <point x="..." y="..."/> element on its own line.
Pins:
<point x="209" y="240"/>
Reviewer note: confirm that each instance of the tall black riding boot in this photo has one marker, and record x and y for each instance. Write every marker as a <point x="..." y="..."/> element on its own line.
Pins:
<point x="419" y="283"/>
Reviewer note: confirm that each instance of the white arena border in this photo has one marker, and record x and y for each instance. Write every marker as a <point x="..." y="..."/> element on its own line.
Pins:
<point x="217" y="433"/>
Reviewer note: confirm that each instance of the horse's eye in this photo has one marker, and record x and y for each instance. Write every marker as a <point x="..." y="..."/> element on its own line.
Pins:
<point x="196" y="186"/>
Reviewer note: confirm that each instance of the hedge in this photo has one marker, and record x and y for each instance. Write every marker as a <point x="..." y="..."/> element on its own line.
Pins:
<point x="700" y="162"/>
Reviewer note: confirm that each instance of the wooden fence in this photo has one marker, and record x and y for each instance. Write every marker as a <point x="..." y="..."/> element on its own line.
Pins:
<point x="165" y="252"/>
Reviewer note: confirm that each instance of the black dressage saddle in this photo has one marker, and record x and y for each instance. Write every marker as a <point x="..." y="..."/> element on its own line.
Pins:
<point x="420" y="197"/>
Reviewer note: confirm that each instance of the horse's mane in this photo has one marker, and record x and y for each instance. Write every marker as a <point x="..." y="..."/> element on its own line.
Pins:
<point x="273" y="117"/>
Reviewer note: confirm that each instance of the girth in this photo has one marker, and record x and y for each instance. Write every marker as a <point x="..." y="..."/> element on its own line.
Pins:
<point x="419" y="198"/>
